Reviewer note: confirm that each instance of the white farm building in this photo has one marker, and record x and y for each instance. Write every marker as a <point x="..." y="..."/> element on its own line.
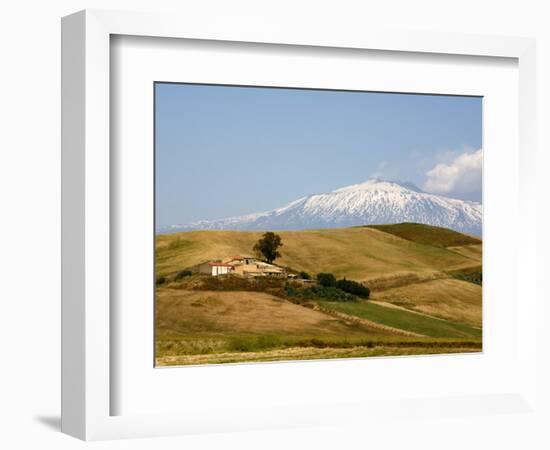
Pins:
<point x="244" y="266"/>
<point x="214" y="268"/>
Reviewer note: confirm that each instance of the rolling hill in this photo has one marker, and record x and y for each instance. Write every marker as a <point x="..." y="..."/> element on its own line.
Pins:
<point x="240" y="312"/>
<point x="206" y="327"/>
<point x="447" y="298"/>
<point x="419" y="302"/>
<point x="428" y="235"/>
<point x="360" y="253"/>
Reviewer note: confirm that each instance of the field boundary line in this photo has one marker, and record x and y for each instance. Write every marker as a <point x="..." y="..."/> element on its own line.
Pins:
<point x="368" y="323"/>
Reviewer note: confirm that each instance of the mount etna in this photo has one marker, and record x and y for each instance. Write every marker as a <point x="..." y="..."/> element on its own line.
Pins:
<point x="372" y="202"/>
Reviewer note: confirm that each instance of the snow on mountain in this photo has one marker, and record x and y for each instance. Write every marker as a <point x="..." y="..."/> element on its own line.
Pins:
<point x="371" y="202"/>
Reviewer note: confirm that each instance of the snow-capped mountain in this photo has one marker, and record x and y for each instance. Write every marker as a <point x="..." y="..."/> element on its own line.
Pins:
<point x="371" y="202"/>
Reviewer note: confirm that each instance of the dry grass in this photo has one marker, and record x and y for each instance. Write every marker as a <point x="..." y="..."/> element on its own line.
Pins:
<point x="198" y="324"/>
<point x="470" y="251"/>
<point x="428" y="234"/>
<point x="206" y="327"/>
<point x="356" y="253"/>
<point x="309" y="353"/>
<point x="446" y="298"/>
<point x="400" y="279"/>
<point x="180" y="313"/>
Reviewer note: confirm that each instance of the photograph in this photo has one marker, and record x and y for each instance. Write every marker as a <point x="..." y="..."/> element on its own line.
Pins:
<point x="300" y="224"/>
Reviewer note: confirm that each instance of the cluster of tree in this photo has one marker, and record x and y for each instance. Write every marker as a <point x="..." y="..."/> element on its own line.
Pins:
<point x="333" y="294"/>
<point x="326" y="279"/>
<point x="349" y="286"/>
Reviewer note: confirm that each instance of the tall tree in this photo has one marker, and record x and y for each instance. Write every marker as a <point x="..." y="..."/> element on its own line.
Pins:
<point x="267" y="246"/>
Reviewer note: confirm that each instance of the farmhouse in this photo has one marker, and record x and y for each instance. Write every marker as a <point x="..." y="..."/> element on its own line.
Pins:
<point x="213" y="268"/>
<point x="236" y="260"/>
<point x="244" y="266"/>
<point x="259" y="269"/>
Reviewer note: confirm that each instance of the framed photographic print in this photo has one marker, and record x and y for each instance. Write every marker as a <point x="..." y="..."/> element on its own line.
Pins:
<point x="252" y="217"/>
<point x="302" y="233"/>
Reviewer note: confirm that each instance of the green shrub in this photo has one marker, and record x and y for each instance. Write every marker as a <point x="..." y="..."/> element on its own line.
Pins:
<point x="291" y="290"/>
<point x="353" y="287"/>
<point x="326" y="279"/>
<point x="236" y="283"/>
<point x="182" y="274"/>
<point x="318" y="292"/>
<point x="304" y="275"/>
<point x="331" y="293"/>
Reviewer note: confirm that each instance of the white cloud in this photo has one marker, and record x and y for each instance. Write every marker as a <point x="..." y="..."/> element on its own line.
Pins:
<point x="459" y="178"/>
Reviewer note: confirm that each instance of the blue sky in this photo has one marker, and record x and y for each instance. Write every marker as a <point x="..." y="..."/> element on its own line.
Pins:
<point x="225" y="151"/>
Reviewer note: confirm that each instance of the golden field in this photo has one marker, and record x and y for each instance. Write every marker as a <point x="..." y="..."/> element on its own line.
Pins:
<point x="422" y="300"/>
<point x="361" y="253"/>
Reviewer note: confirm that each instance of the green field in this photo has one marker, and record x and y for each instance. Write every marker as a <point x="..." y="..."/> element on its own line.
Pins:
<point x="404" y="320"/>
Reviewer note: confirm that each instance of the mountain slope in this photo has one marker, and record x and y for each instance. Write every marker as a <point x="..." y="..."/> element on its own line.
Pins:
<point x="372" y="202"/>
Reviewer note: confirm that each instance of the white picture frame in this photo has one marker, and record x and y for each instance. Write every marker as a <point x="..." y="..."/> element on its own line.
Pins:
<point x="88" y="388"/>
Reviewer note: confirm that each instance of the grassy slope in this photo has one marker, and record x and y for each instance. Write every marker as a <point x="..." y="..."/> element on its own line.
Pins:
<point x="202" y="327"/>
<point x="428" y="234"/>
<point x="358" y="253"/>
<point x="446" y="298"/>
<point x="471" y="251"/>
<point x="181" y="312"/>
<point x="208" y="327"/>
<point x="404" y="320"/>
